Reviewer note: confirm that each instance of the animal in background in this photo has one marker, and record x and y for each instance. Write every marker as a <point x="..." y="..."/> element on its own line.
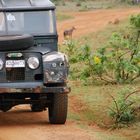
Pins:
<point x="116" y="21"/>
<point x="69" y="32"/>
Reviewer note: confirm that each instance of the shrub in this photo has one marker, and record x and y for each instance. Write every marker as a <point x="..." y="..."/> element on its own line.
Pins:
<point x="122" y="110"/>
<point x="71" y="51"/>
<point x="117" y="62"/>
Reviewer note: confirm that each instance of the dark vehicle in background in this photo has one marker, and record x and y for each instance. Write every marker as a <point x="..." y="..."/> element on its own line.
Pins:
<point x="32" y="71"/>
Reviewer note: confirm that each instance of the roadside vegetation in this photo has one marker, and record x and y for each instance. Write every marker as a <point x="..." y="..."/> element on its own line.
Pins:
<point x="105" y="72"/>
<point x="86" y="5"/>
<point x="105" y="78"/>
<point x="62" y="17"/>
<point x="116" y="62"/>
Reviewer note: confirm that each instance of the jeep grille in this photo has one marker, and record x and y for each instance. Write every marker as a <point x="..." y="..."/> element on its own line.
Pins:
<point x="15" y="74"/>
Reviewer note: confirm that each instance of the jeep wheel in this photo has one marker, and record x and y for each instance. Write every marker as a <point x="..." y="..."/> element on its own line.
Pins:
<point x="58" y="109"/>
<point x="5" y="108"/>
<point x="36" y="108"/>
<point x="15" y="42"/>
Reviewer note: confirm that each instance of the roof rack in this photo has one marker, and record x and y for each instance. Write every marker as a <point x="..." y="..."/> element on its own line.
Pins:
<point x="25" y="5"/>
<point x="31" y="2"/>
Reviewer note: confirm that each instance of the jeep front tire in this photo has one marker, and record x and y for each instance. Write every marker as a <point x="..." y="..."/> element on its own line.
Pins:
<point x="58" y="108"/>
<point x="36" y="108"/>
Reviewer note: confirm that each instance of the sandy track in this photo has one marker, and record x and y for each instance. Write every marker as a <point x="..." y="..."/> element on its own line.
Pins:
<point x="92" y="21"/>
<point x="21" y="124"/>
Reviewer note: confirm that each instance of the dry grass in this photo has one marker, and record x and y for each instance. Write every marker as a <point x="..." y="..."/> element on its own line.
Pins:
<point x="60" y="16"/>
<point x="99" y="39"/>
<point x="89" y="107"/>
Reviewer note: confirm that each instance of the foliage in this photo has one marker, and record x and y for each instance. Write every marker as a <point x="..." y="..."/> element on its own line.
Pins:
<point x="117" y="62"/>
<point x="122" y="110"/>
<point x="135" y="21"/>
<point x="58" y="2"/>
<point x="71" y="50"/>
<point x="120" y="57"/>
<point x="126" y="1"/>
<point x="62" y="17"/>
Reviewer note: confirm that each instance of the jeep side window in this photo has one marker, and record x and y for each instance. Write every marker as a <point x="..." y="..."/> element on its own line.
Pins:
<point x="39" y="23"/>
<point x="15" y="22"/>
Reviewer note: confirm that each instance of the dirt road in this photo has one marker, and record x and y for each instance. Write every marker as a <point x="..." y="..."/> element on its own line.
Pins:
<point x="21" y="124"/>
<point x="92" y="21"/>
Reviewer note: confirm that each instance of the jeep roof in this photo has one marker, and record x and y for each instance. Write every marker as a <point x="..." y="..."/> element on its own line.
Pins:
<point x="25" y="5"/>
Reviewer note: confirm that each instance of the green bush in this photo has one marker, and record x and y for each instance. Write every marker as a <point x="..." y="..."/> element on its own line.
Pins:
<point x="71" y="50"/>
<point x="117" y="62"/>
<point x="122" y="110"/>
<point x="120" y="58"/>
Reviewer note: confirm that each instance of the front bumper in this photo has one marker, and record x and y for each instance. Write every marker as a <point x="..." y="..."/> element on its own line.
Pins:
<point x="29" y="87"/>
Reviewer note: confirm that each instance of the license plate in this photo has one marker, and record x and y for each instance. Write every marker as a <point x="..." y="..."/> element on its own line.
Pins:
<point x="15" y="63"/>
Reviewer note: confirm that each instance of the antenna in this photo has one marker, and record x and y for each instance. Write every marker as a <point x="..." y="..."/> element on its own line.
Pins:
<point x="31" y="2"/>
<point x="2" y="2"/>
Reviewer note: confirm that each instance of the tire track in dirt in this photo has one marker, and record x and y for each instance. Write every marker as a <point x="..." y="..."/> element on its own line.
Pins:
<point x="22" y="124"/>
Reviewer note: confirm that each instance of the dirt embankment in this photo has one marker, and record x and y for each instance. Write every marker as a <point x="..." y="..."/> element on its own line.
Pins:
<point x="21" y="124"/>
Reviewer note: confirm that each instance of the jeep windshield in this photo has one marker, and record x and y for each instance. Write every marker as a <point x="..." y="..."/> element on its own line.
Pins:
<point x="31" y="22"/>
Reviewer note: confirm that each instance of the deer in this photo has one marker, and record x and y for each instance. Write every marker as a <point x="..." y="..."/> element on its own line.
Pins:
<point x="116" y="21"/>
<point x="69" y="32"/>
<point x="110" y="22"/>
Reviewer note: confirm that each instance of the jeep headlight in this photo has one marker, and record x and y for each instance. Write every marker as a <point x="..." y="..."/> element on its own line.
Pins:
<point x="1" y="64"/>
<point x="33" y="63"/>
<point x="55" y="67"/>
<point x="55" y="56"/>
